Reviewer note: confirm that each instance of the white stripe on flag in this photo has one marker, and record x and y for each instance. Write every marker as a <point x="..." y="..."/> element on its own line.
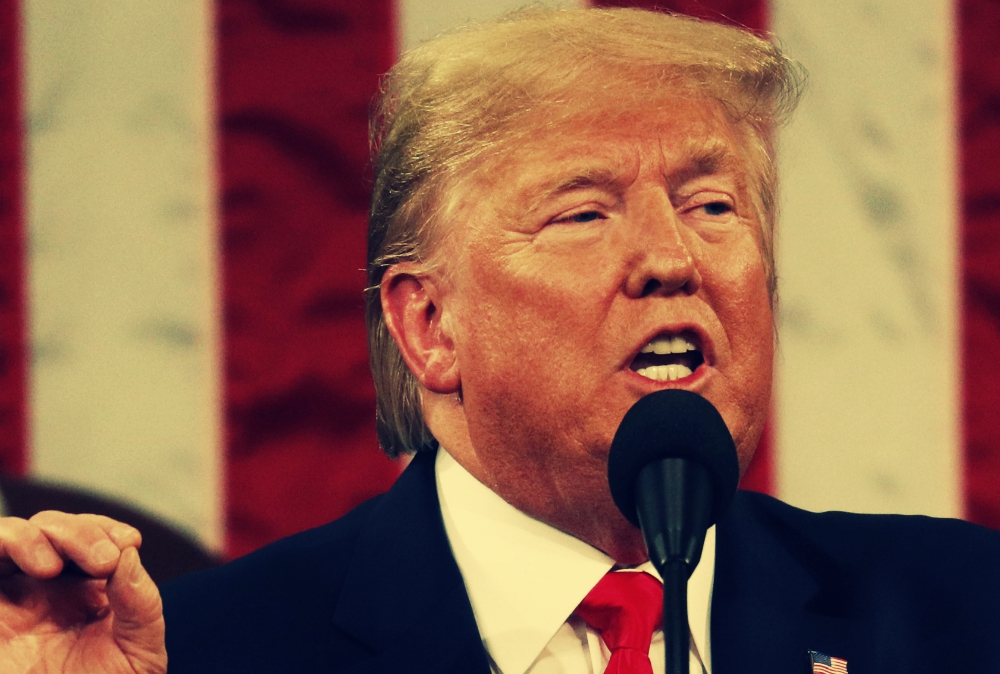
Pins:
<point x="868" y="378"/>
<point x="124" y="381"/>
<point x="123" y="289"/>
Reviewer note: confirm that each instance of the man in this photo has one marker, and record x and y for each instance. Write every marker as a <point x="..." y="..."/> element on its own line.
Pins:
<point x="571" y="210"/>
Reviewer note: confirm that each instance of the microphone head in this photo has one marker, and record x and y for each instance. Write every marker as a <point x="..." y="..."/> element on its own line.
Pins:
<point x="672" y="424"/>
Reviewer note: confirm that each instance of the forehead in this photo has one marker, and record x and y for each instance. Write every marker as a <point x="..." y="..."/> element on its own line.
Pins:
<point x="607" y="144"/>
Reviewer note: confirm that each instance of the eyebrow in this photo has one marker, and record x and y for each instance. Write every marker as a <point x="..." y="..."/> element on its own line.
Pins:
<point x="581" y="179"/>
<point x="706" y="158"/>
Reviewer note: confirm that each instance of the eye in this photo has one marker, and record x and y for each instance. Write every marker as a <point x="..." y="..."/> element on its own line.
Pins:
<point x="586" y="216"/>
<point x="711" y="213"/>
<point x="583" y="217"/>
<point x="717" y="208"/>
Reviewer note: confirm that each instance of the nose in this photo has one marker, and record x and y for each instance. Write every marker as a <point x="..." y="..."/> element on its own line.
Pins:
<point x="662" y="261"/>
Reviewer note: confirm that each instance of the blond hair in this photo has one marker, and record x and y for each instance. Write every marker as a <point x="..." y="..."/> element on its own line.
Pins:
<point x="467" y="95"/>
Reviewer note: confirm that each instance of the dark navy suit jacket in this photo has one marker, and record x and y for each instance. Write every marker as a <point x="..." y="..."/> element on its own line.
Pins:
<point x="379" y="591"/>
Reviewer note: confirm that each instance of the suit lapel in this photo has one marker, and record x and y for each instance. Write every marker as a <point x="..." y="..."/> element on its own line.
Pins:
<point x="404" y="596"/>
<point x="777" y="594"/>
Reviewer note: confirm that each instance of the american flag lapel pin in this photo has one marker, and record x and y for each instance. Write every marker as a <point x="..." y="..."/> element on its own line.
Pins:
<point x="824" y="664"/>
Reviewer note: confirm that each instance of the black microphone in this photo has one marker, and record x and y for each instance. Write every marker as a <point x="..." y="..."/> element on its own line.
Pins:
<point x="673" y="472"/>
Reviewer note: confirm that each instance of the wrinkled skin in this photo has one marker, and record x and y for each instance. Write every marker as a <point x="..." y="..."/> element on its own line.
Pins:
<point x="558" y="263"/>
<point x="106" y="620"/>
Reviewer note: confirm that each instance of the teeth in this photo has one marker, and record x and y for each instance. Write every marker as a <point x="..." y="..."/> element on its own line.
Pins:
<point x="662" y="346"/>
<point x="665" y="372"/>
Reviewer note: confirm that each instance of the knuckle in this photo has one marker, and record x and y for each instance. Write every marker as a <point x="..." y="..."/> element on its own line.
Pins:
<point x="15" y="528"/>
<point x="121" y="533"/>
<point x="66" y="530"/>
<point x="12" y="523"/>
<point x="102" y="521"/>
<point x="20" y="540"/>
<point x="47" y="518"/>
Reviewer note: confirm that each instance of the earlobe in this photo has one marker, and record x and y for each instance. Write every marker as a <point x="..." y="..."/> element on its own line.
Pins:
<point x="411" y="304"/>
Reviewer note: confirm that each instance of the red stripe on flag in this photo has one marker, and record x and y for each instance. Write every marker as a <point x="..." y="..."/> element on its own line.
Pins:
<point x="978" y="28"/>
<point x="295" y="83"/>
<point x="752" y="14"/>
<point x="13" y="426"/>
<point x="760" y="476"/>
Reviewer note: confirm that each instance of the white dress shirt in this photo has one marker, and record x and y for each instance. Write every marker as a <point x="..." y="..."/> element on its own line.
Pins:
<point x="525" y="579"/>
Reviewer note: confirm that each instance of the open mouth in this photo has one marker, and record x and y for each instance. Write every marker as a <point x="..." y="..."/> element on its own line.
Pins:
<point x="669" y="357"/>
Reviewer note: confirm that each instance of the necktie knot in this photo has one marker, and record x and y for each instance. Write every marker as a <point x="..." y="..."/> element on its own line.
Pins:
<point x="626" y="607"/>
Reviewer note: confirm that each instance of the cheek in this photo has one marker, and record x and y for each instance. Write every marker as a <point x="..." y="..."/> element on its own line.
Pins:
<point x="530" y="340"/>
<point x="519" y="342"/>
<point x="737" y="285"/>
<point x="548" y="297"/>
<point x="743" y="306"/>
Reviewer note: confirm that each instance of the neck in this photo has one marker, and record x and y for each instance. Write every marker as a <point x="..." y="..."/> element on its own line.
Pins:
<point x="576" y="501"/>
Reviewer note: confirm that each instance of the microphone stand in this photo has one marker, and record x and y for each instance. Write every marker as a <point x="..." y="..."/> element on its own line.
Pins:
<point x="672" y="471"/>
<point x="676" y="629"/>
<point x="674" y="506"/>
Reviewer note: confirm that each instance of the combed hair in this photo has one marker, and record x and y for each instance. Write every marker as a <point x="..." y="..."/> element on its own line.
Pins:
<point x="454" y="102"/>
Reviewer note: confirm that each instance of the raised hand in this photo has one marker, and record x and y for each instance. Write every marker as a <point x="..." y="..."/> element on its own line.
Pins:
<point x="74" y="598"/>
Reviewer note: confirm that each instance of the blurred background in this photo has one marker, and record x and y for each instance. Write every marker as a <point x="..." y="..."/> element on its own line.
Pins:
<point x="183" y="194"/>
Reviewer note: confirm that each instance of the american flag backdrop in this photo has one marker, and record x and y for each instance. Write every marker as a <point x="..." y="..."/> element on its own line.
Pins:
<point x="183" y="189"/>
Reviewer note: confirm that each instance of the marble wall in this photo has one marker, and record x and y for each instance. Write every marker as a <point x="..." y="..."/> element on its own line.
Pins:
<point x="868" y="377"/>
<point x="124" y="391"/>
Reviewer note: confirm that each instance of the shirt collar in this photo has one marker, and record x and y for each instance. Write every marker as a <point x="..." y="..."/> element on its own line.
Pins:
<point x="525" y="578"/>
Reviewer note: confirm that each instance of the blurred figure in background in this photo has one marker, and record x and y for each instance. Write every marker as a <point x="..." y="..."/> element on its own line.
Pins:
<point x="166" y="552"/>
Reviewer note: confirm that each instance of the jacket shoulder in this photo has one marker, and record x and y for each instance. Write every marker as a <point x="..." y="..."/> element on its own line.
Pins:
<point x="932" y="544"/>
<point x="272" y="603"/>
<point x="886" y="592"/>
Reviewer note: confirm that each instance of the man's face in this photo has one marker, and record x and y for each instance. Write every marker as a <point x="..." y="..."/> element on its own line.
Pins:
<point x="594" y="264"/>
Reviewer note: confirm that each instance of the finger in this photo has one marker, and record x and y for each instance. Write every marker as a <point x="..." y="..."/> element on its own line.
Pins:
<point x="24" y="547"/>
<point x="121" y="534"/>
<point x="138" y="624"/>
<point x="81" y="539"/>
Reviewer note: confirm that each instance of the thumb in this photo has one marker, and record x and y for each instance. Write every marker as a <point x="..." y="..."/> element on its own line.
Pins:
<point x="138" y="625"/>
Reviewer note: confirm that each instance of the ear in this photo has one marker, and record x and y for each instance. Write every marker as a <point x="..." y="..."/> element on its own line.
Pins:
<point x="411" y="305"/>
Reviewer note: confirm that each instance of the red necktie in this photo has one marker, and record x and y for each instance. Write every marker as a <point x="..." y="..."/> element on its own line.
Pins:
<point x="626" y="607"/>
